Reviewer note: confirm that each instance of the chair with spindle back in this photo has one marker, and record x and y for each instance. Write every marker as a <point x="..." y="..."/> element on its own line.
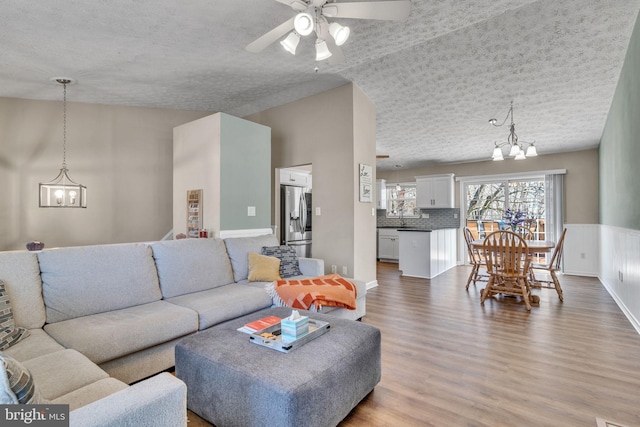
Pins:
<point x="507" y="257"/>
<point x="476" y="260"/>
<point x="551" y="268"/>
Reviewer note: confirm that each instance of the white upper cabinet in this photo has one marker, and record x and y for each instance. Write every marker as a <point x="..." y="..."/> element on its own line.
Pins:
<point x="434" y="191"/>
<point x="381" y="194"/>
<point x="299" y="179"/>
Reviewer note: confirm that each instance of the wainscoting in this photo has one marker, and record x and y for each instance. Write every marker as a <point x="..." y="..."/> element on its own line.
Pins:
<point x="620" y="269"/>
<point x="582" y="250"/>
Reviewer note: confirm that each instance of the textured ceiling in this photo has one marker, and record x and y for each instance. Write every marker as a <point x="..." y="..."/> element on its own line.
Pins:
<point x="436" y="79"/>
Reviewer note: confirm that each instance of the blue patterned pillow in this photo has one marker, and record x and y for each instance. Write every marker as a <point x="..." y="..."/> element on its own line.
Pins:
<point x="289" y="265"/>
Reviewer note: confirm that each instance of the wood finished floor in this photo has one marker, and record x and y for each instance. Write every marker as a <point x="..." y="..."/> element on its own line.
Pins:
<point x="448" y="361"/>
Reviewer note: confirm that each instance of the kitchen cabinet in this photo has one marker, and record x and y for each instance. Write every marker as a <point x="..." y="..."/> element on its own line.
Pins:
<point x="435" y="191"/>
<point x="381" y="194"/>
<point x="427" y="254"/>
<point x="388" y="244"/>
<point x="299" y="179"/>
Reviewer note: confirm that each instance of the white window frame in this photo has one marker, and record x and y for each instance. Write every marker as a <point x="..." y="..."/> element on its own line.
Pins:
<point x="389" y="200"/>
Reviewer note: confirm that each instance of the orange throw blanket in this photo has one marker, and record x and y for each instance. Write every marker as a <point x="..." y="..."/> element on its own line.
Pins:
<point x="311" y="294"/>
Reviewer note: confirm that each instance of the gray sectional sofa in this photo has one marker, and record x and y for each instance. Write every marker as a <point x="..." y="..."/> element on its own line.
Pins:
<point x="102" y="318"/>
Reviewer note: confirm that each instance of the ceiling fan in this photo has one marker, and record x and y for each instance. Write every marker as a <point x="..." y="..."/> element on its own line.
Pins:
<point x="312" y="18"/>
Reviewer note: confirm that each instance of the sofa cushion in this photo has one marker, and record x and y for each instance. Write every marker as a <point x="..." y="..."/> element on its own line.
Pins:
<point x="21" y="274"/>
<point x="238" y="249"/>
<point x="263" y="268"/>
<point x="90" y="393"/>
<point x="191" y="265"/>
<point x="36" y="344"/>
<point x="81" y="281"/>
<point x="9" y="334"/>
<point x="289" y="266"/>
<point x="17" y="385"/>
<point x="106" y="336"/>
<point x="62" y="372"/>
<point x="224" y="303"/>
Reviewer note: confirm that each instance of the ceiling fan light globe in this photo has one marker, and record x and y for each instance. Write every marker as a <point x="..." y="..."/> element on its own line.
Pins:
<point x="322" y="50"/>
<point x="515" y="150"/>
<point x="339" y="33"/>
<point x="520" y="155"/>
<point x="531" y="151"/>
<point x="291" y="43"/>
<point x="304" y="23"/>
<point x="497" y="154"/>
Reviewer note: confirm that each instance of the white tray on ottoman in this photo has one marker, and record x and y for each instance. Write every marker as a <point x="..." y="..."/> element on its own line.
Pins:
<point x="232" y="382"/>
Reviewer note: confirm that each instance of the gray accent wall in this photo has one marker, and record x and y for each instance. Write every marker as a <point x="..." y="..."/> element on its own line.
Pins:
<point x="245" y="169"/>
<point x="620" y="147"/>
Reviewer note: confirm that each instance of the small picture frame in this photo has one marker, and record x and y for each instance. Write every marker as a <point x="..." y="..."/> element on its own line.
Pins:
<point x="366" y="183"/>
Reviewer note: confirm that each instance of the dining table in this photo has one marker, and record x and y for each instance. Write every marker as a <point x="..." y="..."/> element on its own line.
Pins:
<point x="535" y="246"/>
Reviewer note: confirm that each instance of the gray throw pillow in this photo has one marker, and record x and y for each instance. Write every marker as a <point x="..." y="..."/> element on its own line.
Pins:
<point x="16" y="383"/>
<point x="9" y="334"/>
<point x="289" y="265"/>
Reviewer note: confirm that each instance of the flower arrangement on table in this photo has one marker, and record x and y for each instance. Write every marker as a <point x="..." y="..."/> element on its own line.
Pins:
<point x="514" y="218"/>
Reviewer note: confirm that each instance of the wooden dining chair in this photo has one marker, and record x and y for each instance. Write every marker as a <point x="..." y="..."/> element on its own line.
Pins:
<point x="476" y="260"/>
<point x="551" y="267"/>
<point x="507" y="256"/>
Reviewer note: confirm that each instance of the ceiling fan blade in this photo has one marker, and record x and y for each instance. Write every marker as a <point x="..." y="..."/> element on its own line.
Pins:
<point x="265" y="40"/>
<point x="298" y="5"/>
<point x="384" y="10"/>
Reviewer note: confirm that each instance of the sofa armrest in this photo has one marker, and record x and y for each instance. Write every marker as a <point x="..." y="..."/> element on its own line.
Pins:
<point x="160" y="401"/>
<point x="311" y="266"/>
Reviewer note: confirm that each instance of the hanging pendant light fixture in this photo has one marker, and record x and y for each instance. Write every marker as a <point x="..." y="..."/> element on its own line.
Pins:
<point x="62" y="191"/>
<point x="515" y="147"/>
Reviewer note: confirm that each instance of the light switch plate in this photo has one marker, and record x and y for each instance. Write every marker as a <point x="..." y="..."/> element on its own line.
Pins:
<point x="318" y="211"/>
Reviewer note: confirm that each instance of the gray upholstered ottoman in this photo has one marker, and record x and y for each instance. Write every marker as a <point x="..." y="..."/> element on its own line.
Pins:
<point x="232" y="382"/>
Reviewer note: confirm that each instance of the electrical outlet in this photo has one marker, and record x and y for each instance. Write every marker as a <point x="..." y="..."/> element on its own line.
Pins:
<point x="251" y="211"/>
<point x="318" y="211"/>
<point x="620" y="276"/>
<point x="455" y="215"/>
<point x="344" y="270"/>
<point x="334" y="269"/>
<point x="425" y="215"/>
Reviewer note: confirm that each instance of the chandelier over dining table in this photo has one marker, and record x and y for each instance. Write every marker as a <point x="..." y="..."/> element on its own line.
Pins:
<point x="516" y="149"/>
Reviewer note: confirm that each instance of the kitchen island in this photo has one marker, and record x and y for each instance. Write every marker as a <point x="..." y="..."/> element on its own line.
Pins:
<point x="425" y="252"/>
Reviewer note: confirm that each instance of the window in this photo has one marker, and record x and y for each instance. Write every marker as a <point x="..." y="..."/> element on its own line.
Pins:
<point x="401" y="202"/>
<point x="488" y="201"/>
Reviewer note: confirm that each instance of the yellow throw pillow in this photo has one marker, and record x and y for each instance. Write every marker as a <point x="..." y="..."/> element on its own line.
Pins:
<point x="263" y="268"/>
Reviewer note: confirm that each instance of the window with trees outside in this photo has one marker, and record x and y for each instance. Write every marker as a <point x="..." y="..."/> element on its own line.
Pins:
<point x="401" y="201"/>
<point x="517" y="205"/>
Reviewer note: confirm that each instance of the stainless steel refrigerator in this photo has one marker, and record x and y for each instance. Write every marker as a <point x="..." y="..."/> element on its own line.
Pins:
<point x="295" y="212"/>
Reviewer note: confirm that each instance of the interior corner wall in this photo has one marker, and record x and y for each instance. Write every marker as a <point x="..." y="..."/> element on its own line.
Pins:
<point x="319" y="130"/>
<point x="619" y="189"/>
<point x="122" y="154"/>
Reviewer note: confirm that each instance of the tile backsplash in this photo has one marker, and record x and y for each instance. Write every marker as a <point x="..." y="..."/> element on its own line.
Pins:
<point x="438" y="218"/>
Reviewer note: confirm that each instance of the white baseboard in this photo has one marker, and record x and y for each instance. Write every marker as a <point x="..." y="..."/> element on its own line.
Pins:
<point x="632" y="319"/>
<point x="372" y="284"/>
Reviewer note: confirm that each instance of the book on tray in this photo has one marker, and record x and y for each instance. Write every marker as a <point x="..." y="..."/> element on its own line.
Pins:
<point x="260" y="324"/>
